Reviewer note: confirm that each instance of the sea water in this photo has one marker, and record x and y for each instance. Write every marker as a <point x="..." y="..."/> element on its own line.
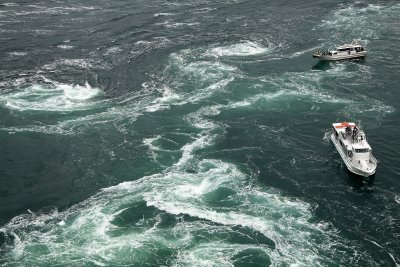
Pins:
<point x="191" y="133"/>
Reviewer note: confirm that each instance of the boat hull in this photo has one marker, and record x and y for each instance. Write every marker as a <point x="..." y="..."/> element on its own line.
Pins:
<point x="339" y="57"/>
<point x="351" y="167"/>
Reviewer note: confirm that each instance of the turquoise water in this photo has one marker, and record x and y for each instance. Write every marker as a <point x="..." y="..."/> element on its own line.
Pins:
<point x="172" y="133"/>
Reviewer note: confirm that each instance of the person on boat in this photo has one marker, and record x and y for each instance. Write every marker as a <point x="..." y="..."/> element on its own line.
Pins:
<point x="348" y="130"/>
<point x="355" y="130"/>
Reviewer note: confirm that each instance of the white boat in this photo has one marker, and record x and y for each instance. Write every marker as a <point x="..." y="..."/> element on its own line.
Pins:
<point x="346" y="51"/>
<point x="352" y="145"/>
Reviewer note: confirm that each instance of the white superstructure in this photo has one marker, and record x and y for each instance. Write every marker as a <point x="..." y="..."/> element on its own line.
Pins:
<point x="346" y="51"/>
<point x="352" y="145"/>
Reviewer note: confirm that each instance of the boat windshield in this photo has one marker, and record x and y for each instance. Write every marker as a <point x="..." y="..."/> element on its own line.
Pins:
<point x="361" y="150"/>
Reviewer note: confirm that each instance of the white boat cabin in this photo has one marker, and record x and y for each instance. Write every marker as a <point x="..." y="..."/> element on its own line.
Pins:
<point x="349" y="49"/>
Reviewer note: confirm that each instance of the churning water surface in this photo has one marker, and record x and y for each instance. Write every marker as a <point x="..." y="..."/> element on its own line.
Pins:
<point x="191" y="133"/>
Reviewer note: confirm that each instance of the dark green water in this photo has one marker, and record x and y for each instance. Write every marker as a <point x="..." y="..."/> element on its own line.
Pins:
<point x="193" y="133"/>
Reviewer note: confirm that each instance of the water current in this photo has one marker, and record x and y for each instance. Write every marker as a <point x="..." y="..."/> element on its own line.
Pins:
<point x="193" y="133"/>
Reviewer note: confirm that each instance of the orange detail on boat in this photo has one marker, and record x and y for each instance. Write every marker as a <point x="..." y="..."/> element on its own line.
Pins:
<point x="344" y="124"/>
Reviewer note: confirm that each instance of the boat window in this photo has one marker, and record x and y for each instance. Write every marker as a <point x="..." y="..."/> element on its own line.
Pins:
<point x="362" y="150"/>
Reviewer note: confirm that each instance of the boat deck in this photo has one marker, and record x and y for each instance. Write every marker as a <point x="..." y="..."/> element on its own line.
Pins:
<point x="354" y="149"/>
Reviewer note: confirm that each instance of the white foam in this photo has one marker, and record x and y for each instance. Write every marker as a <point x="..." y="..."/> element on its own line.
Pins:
<point x="65" y="10"/>
<point x="18" y="54"/>
<point x="78" y="92"/>
<point x="149" y="142"/>
<point x="222" y="254"/>
<point x="143" y="42"/>
<point x="211" y="77"/>
<point x="244" y="48"/>
<point x="254" y="99"/>
<point x="168" y="98"/>
<point x="205" y="138"/>
<point x="197" y="118"/>
<point x="201" y="141"/>
<point x="113" y="50"/>
<point x="211" y="90"/>
<point x="81" y="63"/>
<point x="203" y="10"/>
<point x="299" y="53"/>
<point x="208" y="71"/>
<point x="11" y="4"/>
<point x="146" y="45"/>
<point x="307" y="85"/>
<point x="88" y="232"/>
<point x="185" y="197"/>
<point x="358" y="22"/>
<point x="397" y="199"/>
<point x="41" y="32"/>
<point x="58" y="97"/>
<point x="171" y="24"/>
<point x="64" y="46"/>
<point x="163" y="14"/>
<point x="53" y="97"/>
